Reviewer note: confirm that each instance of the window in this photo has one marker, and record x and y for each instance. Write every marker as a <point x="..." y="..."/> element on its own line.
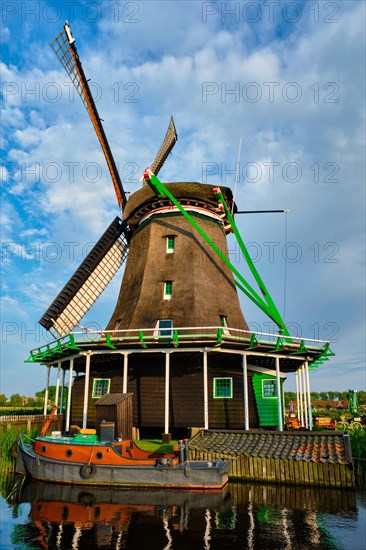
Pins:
<point x="100" y="387"/>
<point x="168" y="290"/>
<point x="269" y="388"/>
<point x="223" y="388"/>
<point x="170" y="241"/>
<point x="163" y="329"/>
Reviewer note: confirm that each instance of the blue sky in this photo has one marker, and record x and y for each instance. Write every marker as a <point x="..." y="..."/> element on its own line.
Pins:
<point x="286" y="76"/>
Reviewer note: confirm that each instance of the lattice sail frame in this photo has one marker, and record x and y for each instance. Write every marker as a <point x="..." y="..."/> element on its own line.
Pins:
<point x="89" y="281"/>
<point x="103" y="262"/>
<point x="64" y="48"/>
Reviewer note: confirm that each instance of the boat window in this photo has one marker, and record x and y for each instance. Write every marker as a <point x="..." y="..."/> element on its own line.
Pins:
<point x="99" y="455"/>
<point x="68" y="453"/>
<point x="43" y="448"/>
<point x="223" y="388"/>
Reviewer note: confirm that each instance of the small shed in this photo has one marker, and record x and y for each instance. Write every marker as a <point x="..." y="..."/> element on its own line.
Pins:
<point x="117" y="408"/>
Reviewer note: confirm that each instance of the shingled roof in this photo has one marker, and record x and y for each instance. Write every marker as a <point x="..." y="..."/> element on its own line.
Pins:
<point x="332" y="448"/>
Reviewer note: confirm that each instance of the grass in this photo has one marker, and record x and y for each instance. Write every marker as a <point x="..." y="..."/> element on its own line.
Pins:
<point x="7" y="438"/>
<point x="155" y="446"/>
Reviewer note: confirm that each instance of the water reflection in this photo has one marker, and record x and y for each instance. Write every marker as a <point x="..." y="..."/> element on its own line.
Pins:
<point x="241" y="516"/>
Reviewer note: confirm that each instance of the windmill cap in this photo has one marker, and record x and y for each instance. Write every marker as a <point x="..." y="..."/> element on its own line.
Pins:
<point x="138" y="203"/>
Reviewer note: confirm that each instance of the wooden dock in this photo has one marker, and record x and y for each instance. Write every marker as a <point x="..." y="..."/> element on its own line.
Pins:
<point x="296" y="458"/>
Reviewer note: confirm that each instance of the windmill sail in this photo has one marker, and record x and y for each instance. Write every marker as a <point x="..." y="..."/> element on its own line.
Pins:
<point x="171" y="137"/>
<point x="88" y="281"/>
<point x="104" y="260"/>
<point x="65" y="49"/>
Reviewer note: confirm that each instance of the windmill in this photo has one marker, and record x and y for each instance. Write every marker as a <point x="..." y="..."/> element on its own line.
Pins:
<point x="178" y="297"/>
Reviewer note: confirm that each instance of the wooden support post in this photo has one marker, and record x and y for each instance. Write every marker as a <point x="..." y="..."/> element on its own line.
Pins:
<point x="68" y="406"/>
<point x="58" y="383"/>
<point x="205" y="390"/>
<point x="125" y="372"/>
<point x="46" y="392"/>
<point x="167" y="385"/>
<point x="279" y="398"/>
<point x="86" y="390"/>
<point x="245" y="388"/>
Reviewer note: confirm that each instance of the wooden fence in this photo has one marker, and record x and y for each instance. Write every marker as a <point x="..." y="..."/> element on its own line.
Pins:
<point x="281" y="471"/>
<point x="30" y="422"/>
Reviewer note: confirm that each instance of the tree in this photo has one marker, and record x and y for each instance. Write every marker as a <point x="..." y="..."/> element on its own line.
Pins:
<point x="362" y="397"/>
<point x="51" y="395"/>
<point x="16" y="400"/>
<point x="323" y="395"/>
<point x="3" y="400"/>
<point x="289" y="396"/>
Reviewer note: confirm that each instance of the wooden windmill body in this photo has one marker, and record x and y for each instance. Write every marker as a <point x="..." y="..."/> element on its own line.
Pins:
<point x="165" y="251"/>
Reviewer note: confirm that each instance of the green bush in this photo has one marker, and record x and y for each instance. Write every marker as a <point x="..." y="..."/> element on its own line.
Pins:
<point x="358" y="443"/>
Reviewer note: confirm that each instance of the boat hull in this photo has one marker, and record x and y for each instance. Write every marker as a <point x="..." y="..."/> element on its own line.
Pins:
<point x="188" y="474"/>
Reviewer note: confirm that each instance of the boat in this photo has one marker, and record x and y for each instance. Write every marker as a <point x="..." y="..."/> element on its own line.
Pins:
<point x="84" y="459"/>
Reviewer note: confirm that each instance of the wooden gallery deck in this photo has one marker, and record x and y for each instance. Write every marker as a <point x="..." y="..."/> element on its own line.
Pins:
<point x="299" y="458"/>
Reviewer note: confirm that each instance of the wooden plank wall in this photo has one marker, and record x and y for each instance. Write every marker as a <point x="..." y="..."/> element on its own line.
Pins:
<point x="279" y="471"/>
<point x="146" y="380"/>
<point x="120" y="413"/>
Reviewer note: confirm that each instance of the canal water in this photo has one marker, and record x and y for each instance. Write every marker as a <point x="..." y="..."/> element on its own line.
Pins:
<point x="36" y="515"/>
